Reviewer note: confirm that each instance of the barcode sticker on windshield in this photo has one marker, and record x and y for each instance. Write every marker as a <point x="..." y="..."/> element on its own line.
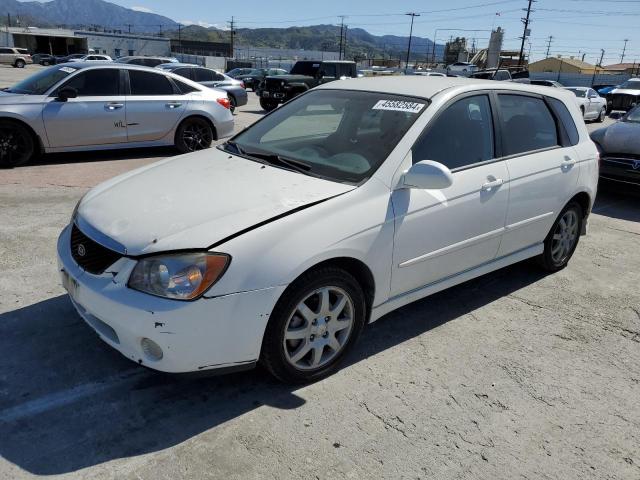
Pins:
<point x="399" y="106"/>
<point x="67" y="69"/>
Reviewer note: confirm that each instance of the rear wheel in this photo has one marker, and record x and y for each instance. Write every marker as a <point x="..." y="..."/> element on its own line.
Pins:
<point x="582" y="111"/>
<point x="313" y="326"/>
<point x="193" y="134"/>
<point x="232" y="103"/>
<point x="268" y="105"/>
<point x="603" y="114"/>
<point x="19" y="63"/>
<point x="563" y="239"/>
<point x="17" y="145"/>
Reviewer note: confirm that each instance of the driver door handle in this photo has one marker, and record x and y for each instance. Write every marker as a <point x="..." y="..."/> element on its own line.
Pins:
<point x="174" y="104"/>
<point x="114" y="106"/>
<point x="568" y="161"/>
<point x="492" y="184"/>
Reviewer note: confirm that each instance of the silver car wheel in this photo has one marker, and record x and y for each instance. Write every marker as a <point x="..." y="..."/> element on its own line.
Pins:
<point x="564" y="237"/>
<point x="319" y="328"/>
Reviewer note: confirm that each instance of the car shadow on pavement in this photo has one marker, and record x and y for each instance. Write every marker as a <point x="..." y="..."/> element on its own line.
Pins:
<point x="616" y="202"/>
<point x="103" y="155"/>
<point x="68" y="401"/>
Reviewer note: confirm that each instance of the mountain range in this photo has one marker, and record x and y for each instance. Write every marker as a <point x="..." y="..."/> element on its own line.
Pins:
<point x="99" y="14"/>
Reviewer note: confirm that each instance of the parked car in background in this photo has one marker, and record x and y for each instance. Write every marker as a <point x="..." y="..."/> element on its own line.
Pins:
<point x="304" y="75"/>
<point x="69" y="58"/>
<point x="100" y="106"/>
<point x="210" y="78"/>
<point x="603" y="89"/>
<point x="348" y="202"/>
<point x="236" y="72"/>
<point x="146" y="61"/>
<point x="619" y="146"/>
<point x="462" y="67"/>
<point x="257" y="75"/>
<point x="546" y="83"/>
<point x="423" y="73"/>
<point x="16" y="57"/>
<point x="592" y="105"/>
<point x="44" y="59"/>
<point x="492" y="74"/>
<point x="625" y="96"/>
<point x="94" y="57"/>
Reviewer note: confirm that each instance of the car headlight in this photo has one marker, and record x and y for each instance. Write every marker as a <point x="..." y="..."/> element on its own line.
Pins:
<point x="180" y="276"/>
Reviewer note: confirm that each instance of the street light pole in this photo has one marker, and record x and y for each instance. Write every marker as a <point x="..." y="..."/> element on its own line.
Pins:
<point x="412" y="15"/>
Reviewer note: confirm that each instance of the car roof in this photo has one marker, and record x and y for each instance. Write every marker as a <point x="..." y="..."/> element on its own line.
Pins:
<point x="417" y="86"/>
<point x="577" y="88"/>
<point x="107" y="64"/>
<point x="169" y="65"/>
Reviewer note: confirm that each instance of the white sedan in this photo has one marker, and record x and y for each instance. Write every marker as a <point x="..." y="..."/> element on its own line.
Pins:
<point x="344" y="204"/>
<point x="592" y="105"/>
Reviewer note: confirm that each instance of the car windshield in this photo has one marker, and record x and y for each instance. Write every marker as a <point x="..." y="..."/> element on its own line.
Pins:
<point x="633" y="116"/>
<point x="578" y="93"/>
<point x="339" y="135"/>
<point x="306" y="68"/>
<point x="633" y="84"/>
<point x="39" y="83"/>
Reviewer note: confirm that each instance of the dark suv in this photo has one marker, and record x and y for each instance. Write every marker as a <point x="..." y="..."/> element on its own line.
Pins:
<point x="304" y="76"/>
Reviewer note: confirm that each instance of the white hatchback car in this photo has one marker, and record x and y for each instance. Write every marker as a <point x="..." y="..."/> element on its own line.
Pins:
<point x="342" y="205"/>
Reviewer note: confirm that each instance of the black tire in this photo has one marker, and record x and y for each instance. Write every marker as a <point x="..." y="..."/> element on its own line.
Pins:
<point x="17" y="144"/>
<point x="194" y="134"/>
<point x="268" y="105"/>
<point x="609" y="110"/>
<point x="20" y="63"/>
<point x="273" y="355"/>
<point x="46" y="63"/>
<point x="546" y="260"/>
<point x="602" y="116"/>
<point x="582" y="111"/>
<point x="233" y="103"/>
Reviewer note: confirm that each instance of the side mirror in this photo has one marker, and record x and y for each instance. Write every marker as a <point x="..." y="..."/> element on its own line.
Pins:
<point x="66" y="93"/>
<point x="427" y="175"/>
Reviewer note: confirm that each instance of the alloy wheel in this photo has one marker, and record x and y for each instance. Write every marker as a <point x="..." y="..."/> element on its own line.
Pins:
<point x="565" y="237"/>
<point x="15" y="147"/>
<point x="196" y="136"/>
<point x="319" y="328"/>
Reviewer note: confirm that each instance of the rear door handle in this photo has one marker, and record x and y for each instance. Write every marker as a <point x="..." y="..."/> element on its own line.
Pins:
<point x="492" y="184"/>
<point x="114" y="106"/>
<point x="568" y="161"/>
<point x="174" y="104"/>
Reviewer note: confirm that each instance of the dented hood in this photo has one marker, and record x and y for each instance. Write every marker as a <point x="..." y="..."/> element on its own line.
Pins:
<point x="196" y="200"/>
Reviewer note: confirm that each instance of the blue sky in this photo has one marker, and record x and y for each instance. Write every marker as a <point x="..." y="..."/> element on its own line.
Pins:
<point x="578" y="26"/>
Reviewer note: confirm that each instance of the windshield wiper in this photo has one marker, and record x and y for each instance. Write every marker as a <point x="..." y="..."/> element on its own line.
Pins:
<point x="234" y="145"/>
<point x="275" y="159"/>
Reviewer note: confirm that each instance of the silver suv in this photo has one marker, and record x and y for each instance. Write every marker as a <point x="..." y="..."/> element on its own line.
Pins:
<point x="16" y="57"/>
<point x="98" y="106"/>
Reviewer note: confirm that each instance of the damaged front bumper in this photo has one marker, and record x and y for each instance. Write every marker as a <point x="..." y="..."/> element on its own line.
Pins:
<point x="209" y="333"/>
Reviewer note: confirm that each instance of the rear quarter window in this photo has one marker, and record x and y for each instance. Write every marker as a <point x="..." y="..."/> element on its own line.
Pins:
<point x="566" y="119"/>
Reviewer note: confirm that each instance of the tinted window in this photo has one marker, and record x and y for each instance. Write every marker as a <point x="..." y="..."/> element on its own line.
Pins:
<point x="329" y="70"/>
<point x="203" y="75"/>
<point x="185" y="88"/>
<point x="503" y="76"/>
<point x="567" y="120"/>
<point x="148" y="83"/>
<point x="527" y="124"/>
<point x="96" y="83"/>
<point x="6" y="50"/>
<point x="137" y="61"/>
<point x="462" y="135"/>
<point x="183" y="72"/>
<point x="217" y="77"/>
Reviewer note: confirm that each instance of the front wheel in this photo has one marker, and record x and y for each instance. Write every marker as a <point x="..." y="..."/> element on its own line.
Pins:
<point x="313" y="326"/>
<point x="603" y="114"/>
<point x="563" y="239"/>
<point x="193" y="134"/>
<point x="17" y="145"/>
<point x="268" y="105"/>
<point x="19" y="63"/>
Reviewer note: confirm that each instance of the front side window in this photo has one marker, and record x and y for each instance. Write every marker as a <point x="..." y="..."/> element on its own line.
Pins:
<point x="527" y="124"/>
<point x="96" y="83"/>
<point x="6" y="50"/>
<point x="335" y="134"/>
<point x="203" y="75"/>
<point x="578" y="92"/>
<point x="462" y="135"/>
<point x="41" y="82"/>
<point x="329" y="70"/>
<point x="148" y="83"/>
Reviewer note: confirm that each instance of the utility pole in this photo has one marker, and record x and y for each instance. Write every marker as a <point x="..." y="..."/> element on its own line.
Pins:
<point x="624" y="49"/>
<point x="180" y="36"/>
<point x="232" y="34"/>
<point x="129" y="25"/>
<point x="549" y="45"/>
<point x="344" y="47"/>
<point x="412" y="15"/>
<point x="595" y="69"/>
<point x="525" y="32"/>
<point x="341" y="35"/>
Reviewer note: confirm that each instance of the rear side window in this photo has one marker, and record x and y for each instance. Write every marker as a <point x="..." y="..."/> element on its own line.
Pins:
<point x="148" y="83"/>
<point x="203" y="75"/>
<point x="527" y="124"/>
<point x="183" y="72"/>
<point x="567" y="120"/>
<point x="462" y="135"/>
<point x="96" y="83"/>
<point x="184" y="87"/>
<point x="6" y="50"/>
